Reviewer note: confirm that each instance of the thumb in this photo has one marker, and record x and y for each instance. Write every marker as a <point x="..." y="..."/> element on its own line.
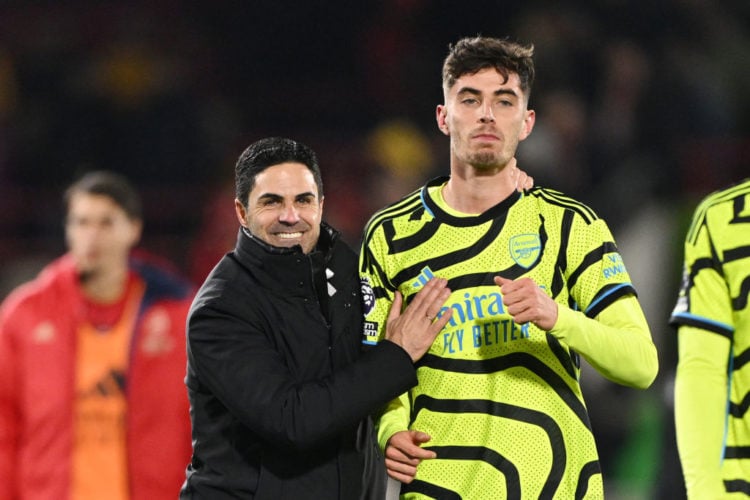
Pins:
<point x="421" y="437"/>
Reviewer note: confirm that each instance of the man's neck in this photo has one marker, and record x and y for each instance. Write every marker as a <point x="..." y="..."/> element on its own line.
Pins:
<point x="473" y="192"/>
<point x="105" y="287"/>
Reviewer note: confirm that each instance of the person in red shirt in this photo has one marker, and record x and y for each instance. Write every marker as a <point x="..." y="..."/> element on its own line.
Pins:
<point x="92" y="362"/>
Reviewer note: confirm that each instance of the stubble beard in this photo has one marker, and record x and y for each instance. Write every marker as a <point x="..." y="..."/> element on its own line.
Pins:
<point x="484" y="161"/>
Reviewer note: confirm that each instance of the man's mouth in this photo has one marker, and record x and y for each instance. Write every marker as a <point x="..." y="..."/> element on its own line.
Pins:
<point x="486" y="137"/>
<point x="289" y="236"/>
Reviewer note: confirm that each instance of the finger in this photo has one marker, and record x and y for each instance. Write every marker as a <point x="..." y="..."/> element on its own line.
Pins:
<point x="401" y="457"/>
<point x="500" y="281"/>
<point x="395" y="310"/>
<point x="436" y="306"/>
<point x="443" y="320"/>
<point x="400" y="454"/>
<point x="404" y="478"/>
<point x="411" y="454"/>
<point x="431" y="291"/>
<point x="401" y="466"/>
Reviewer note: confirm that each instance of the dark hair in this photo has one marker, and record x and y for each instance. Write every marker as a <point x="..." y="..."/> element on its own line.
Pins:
<point x="269" y="152"/>
<point x="109" y="184"/>
<point x="470" y="55"/>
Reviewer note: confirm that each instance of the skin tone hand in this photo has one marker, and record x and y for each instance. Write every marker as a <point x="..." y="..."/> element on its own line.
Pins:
<point x="403" y="453"/>
<point x="522" y="179"/>
<point x="415" y="328"/>
<point x="526" y="302"/>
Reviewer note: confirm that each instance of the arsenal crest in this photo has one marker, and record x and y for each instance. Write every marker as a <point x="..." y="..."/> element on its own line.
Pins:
<point x="525" y="249"/>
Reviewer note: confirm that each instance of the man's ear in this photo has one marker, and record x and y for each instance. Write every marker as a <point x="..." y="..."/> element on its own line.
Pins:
<point x="440" y="115"/>
<point x="528" y="124"/>
<point x="239" y="209"/>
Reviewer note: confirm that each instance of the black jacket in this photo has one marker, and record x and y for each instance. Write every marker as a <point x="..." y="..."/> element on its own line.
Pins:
<point x="276" y="396"/>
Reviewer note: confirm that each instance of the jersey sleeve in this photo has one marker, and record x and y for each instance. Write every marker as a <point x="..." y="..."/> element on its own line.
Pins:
<point x="605" y="324"/>
<point x="700" y="409"/>
<point x="617" y="342"/>
<point x="703" y="315"/>
<point x="704" y="298"/>
<point x="597" y="275"/>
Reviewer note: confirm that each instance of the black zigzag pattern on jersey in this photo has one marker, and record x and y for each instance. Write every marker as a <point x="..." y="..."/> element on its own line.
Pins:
<point x="499" y="462"/>
<point x="491" y="457"/>
<point x="740" y="301"/>
<point x="737" y="452"/>
<point x="738" y="253"/>
<point x="739" y="207"/>
<point x="595" y="256"/>
<point x="467" y="253"/>
<point x="561" y="266"/>
<point x="569" y="361"/>
<point x="699" y="265"/>
<point x="741" y="360"/>
<point x="737" y="486"/>
<point x="735" y="194"/>
<point x="408" y="205"/>
<point x="738" y="410"/>
<point x="425" y="233"/>
<point x="431" y="490"/>
<point x="587" y="472"/>
<point x="375" y="268"/>
<point x="556" y="198"/>
<point x="515" y="359"/>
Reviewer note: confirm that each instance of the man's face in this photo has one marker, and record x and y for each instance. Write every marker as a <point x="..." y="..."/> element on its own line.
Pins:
<point x="99" y="233"/>
<point x="485" y="118"/>
<point x="283" y="208"/>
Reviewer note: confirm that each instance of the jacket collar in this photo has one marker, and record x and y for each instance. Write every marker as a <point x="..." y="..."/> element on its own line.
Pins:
<point x="285" y="269"/>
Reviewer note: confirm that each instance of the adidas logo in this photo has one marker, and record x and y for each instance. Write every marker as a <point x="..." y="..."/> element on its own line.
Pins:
<point x="424" y="276"/>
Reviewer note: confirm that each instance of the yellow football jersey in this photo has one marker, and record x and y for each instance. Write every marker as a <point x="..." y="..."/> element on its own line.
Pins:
<point x="501" y="401"/>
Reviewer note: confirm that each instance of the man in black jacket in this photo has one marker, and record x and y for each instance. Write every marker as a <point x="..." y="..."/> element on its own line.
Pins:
<point x="278" y="387"/>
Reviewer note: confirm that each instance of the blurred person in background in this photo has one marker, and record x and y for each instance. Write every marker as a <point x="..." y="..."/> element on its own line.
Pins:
<point x="536" y="280"/>
<point x="712" y="315"/>
<point x="92" y="362"/>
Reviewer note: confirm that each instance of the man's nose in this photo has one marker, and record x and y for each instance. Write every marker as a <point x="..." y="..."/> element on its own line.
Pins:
<point x="289" y="214"/>
<point x="487" y="116"/>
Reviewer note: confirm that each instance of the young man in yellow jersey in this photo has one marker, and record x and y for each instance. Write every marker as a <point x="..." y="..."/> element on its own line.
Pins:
<point x="536" y="281"/>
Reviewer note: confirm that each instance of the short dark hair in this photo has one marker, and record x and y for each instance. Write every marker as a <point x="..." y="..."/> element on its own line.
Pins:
<point x="110" y="184"/>
<point x="269" y="152"/>
<point x="472" y="54"/>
